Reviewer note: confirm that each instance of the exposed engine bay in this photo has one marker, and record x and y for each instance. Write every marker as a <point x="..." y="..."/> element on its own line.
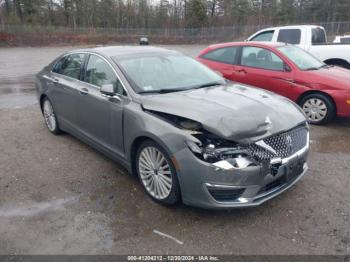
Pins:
<point x="226" y="154"/>
<point x="209" y="147"/>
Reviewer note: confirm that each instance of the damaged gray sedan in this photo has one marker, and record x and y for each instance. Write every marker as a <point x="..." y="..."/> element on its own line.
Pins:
<point x="182" y="129"/>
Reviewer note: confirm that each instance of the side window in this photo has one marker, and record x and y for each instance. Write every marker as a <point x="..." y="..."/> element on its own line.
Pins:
<point x="345" y="40"/>
<point x="290" y="36"/>
<point x="99" y="73"/>
<point x="261" y="58"/>
<point x="318" y="36"/>
<point x="223" y="55"/>
<point x="264" y="36"/>
<point x="70" y="65"/>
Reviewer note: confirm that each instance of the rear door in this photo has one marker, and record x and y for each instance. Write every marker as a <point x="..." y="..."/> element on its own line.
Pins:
<point x="101" y="117"/>
<point x="292" y="36"/>
<point x="223" y="60"/>
<point x="262" y="68"/>
<point x="63" y="84"/>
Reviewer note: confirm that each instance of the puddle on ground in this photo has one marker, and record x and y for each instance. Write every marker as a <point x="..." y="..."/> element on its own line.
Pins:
<point x="35" y="208"/>
<point x="22" y="84"/>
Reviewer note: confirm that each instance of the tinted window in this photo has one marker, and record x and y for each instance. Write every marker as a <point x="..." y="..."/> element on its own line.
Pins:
<point x="290" y="36"/>
<point x="261" y="58"/>
<point x="70" y="65"/>
<point x="98" y="73"/>
<point x="224" y="55"/>
<point x="345" y="40"/>
<point x="264" y="36"/>
<point x="318" y="36"/>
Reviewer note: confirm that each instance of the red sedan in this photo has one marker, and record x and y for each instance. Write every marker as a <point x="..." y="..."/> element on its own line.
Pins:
<point x="322" y="91"/>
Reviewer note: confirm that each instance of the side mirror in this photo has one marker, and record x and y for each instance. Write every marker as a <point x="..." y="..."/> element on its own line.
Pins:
<point x="287" y="68"/>
<point x="107" y="90"/>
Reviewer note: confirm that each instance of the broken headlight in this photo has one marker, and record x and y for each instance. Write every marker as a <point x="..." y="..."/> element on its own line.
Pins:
<point x="220" y="152"/>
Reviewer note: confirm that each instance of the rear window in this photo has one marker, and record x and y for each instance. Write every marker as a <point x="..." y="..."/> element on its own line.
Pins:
<point x="318" y="36"/>
<point x="290" y="36"/>
<point x="225" y="55"/>
<point x="70" y="65"/>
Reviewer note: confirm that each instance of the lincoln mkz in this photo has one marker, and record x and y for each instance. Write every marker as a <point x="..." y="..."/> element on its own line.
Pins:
<point x="186" y="132"/>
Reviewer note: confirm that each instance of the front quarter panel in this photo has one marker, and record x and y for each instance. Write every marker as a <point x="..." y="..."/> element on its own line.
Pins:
<point x="139" y="123"/>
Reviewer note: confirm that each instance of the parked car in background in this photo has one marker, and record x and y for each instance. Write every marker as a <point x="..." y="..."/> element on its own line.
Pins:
<point x="322" y="91"/>
<point x="344" y="39"/>
<point x="181" y="128"/>
<point x="144" y="40"/>
<point x="310" y="38"/>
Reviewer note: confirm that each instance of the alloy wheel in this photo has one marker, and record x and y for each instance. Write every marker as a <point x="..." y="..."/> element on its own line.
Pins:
<point x="155" y="172"/>
<point x="49" y="115"/>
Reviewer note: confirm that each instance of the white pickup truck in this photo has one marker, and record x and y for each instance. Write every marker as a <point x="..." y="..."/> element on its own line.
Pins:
<point x="311" y="38"/>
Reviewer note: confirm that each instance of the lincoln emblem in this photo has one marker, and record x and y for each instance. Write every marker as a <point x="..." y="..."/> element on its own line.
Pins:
<point x="289" y="144"/>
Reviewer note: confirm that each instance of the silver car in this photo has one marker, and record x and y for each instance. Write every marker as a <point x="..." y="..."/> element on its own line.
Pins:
<point x="187" y="133"/>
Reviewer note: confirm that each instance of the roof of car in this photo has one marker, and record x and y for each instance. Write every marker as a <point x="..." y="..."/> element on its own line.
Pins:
<point x="111" y="51"/>
<point x="258" y="44"/>
<point x="291" y="27"/>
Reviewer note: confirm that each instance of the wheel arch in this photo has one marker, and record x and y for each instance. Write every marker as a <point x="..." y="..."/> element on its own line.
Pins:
<point x="136" y="143"/>
<point x="41" y="101"/>
<point x="310" y="92"/>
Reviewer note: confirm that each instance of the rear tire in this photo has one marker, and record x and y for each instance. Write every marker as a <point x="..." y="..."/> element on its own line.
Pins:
<point x="318" y="108"/>
<point x="157" y="173"/>
<point x="50" y="117"/>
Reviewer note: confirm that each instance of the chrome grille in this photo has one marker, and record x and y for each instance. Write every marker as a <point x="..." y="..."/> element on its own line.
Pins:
<point x="284" y="144"/>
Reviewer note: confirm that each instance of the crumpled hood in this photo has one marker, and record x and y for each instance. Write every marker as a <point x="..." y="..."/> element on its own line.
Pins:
<point x="235" y="112"/>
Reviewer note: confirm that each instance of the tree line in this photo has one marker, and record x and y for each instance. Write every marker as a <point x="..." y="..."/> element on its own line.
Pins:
<point x="170" y="13"/>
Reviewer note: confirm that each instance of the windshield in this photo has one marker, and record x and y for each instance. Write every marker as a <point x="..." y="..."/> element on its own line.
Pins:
<point x="301" y="58"/>
<point x="154" y="73"/>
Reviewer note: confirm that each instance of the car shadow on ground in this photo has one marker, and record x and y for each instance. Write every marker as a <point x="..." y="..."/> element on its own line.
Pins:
<point x="340" y="122"/>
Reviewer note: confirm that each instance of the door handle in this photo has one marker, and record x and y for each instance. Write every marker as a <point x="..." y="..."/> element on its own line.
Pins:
<point x="54" y="81"/>
<point x="84" y="91"/>
<point x="241" y="71"/>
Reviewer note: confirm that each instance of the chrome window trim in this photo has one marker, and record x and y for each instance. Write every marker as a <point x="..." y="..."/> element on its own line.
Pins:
<point x="103" y="58"/>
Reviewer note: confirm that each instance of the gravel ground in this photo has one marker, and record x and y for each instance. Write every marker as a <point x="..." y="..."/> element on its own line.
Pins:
<point x="59" y="196"/>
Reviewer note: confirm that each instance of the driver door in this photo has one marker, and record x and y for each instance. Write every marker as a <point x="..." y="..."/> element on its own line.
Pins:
<point x="262" y="68"/>
<point x="100" y="116"/>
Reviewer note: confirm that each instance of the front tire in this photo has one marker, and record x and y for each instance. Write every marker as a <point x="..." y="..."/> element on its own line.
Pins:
<point x="318" y="108"/>
<point x="157" y="173"/>
<point x="50" y="117"/>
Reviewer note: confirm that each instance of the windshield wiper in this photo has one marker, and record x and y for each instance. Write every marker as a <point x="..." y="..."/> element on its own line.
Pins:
<point x="312" y="68"/>
<point x="317" y="68"/>
<point x="162" y="91"/>
<point x="171" y="90"/>
<point x="208" y="85"/>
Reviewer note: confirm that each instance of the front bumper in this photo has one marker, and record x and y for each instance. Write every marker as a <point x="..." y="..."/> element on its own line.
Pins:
<point x="342" y="101"/>
<point x="206" y="186"/>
